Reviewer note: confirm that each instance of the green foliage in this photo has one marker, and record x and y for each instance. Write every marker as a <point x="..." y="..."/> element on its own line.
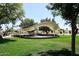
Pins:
<point x="27" y="22"/>
<point x="68" y="11"/>
<point x="56" y="26"/>
<point x="9" y="12"/>
<point x="46" y="19"/>
<point x="9" y="30"/>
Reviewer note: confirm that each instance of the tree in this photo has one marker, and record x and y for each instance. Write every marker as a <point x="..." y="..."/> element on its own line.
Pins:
<point x="45" y="29"/>
<point x="27" y="22"/>
<point x="9" y="12"/>
<point x="46" y="19"/>
<point x="55" y="24"/>
<point x="69" y="12"/>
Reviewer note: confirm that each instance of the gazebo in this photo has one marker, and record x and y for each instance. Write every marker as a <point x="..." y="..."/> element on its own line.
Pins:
<point x="35" y="28"/>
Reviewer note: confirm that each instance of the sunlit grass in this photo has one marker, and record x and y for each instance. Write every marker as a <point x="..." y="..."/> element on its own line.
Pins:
<point x="21" y="46"/>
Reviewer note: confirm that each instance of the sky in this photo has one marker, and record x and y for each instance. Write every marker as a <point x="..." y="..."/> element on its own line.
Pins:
<point x="38" y="11"/>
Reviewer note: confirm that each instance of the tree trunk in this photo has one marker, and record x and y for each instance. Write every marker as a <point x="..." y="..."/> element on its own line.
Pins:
<point x="73" y="36"/>
<point x="1" y="37"/>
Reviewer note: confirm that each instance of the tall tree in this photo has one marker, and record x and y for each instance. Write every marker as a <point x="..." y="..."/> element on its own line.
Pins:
<point x="27" y="22"/>
<point x="9" y="12"/>
<point x="69" y="12"/>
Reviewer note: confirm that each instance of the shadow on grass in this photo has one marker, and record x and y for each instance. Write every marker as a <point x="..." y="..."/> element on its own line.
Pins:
<point x="2" y="41"/>
<point x="62" y="52"/>
<point x="36" y="36"/>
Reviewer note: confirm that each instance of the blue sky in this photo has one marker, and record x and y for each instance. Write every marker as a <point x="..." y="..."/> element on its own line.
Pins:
<point x="38" y="11"/>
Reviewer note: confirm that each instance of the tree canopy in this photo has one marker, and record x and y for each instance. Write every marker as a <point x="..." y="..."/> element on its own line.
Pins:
<point x="9" y="12"/>
<point x="46" y="19"/>
<point x="69" y="12"/>
<point x="27" y="22"/>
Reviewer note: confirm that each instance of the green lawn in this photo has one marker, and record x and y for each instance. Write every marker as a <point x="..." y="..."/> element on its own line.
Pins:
<point x="21" y="46"/>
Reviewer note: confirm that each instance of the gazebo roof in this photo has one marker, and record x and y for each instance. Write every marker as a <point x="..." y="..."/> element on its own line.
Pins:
<point x="49" y="24"/>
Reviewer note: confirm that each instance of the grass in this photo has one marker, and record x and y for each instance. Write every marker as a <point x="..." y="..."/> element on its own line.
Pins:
<point x="23" y="47"/>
